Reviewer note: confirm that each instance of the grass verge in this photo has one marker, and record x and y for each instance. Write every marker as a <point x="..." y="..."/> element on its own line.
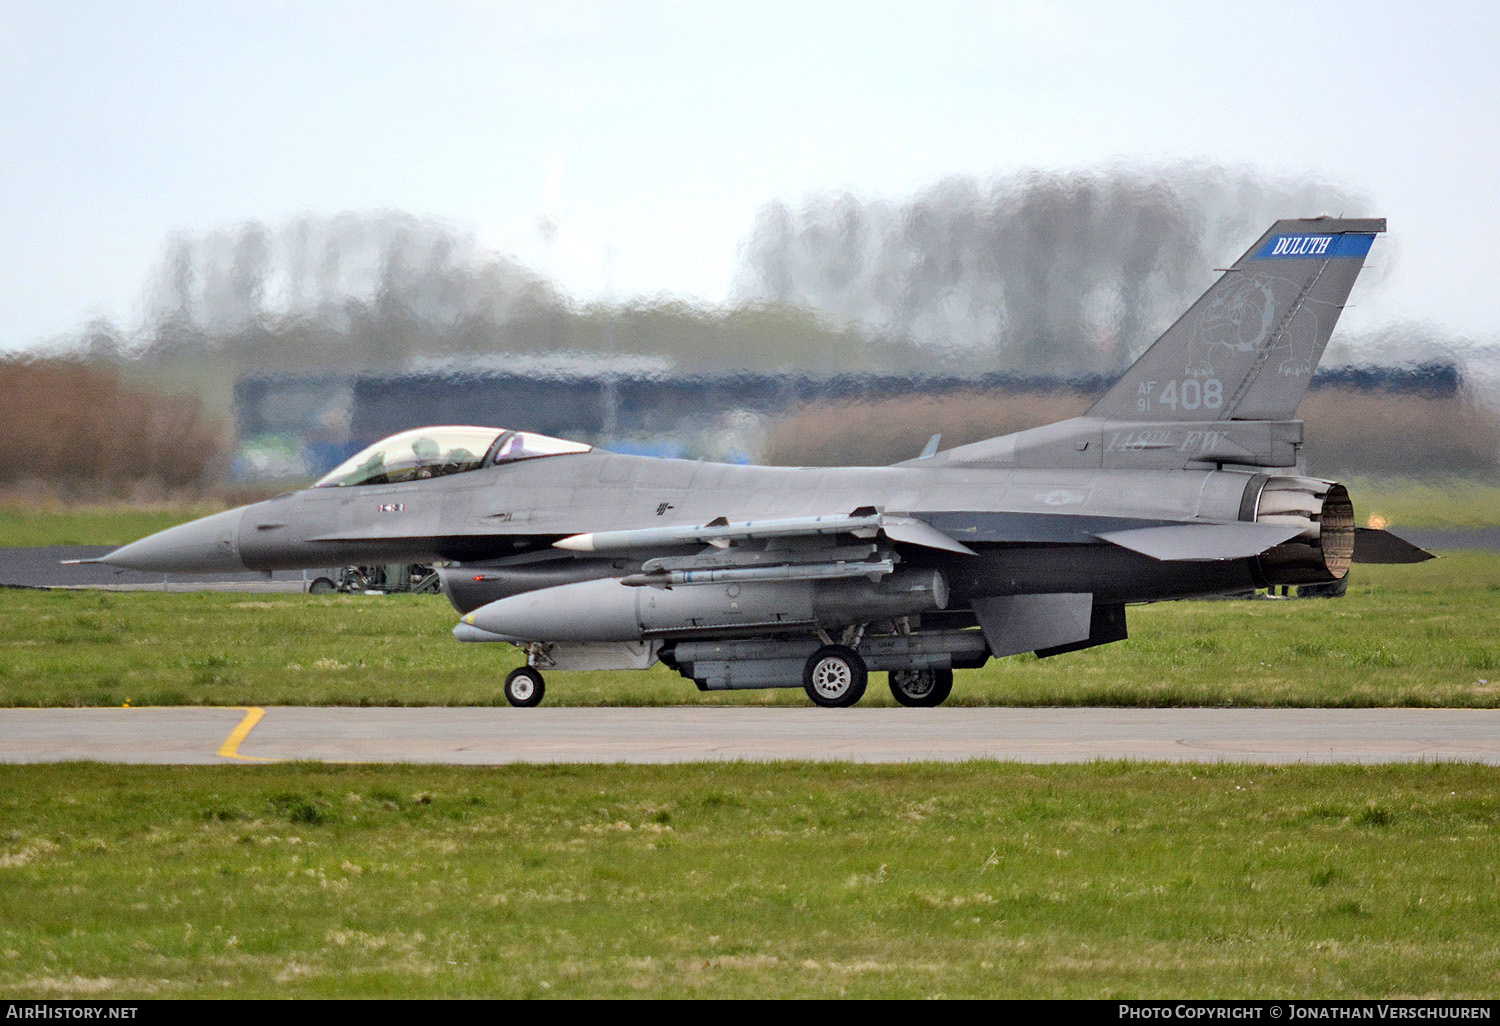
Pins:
<point x="1412" y="502"/>
<point x="980" y="879"/>
<point x="24" y="525"/>
<point x="1404" y="636"/>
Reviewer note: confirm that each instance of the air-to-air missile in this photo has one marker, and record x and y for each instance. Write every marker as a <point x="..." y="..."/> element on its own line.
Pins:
<point x="1183" y="480"/>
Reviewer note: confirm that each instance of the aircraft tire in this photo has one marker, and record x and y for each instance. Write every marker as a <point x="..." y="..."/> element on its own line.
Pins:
<point x="835" y="677"/>
<point x="322" y="586"/>
<point x="524" y="687"/>
<point x="921" y="689"/>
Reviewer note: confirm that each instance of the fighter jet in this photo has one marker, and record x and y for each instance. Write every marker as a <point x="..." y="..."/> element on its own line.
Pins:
<point x="1183" y="480"/>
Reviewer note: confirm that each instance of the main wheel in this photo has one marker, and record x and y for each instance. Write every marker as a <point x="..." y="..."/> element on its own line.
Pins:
<point x="921" y="688"/>
<point x="322" y="586"/>
<point x="835" y="676"/>
<point x="524" y="687"/>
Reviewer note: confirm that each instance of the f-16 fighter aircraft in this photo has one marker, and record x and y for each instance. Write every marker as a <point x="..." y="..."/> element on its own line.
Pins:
<point x="1183" y="480"/>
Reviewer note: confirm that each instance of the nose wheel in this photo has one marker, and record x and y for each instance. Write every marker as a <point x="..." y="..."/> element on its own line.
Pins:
<point x="524" y="687"/>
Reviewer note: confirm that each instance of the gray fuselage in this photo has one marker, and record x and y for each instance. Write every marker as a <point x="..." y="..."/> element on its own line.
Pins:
<point x="1034" y="530"/>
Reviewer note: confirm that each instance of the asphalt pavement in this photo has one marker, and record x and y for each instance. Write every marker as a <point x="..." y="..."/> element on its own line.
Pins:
<point x="494" y="736"/>
<point x="42" y="568"/>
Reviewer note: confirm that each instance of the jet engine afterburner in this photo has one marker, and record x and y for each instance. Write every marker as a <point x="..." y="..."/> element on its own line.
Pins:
<point x="1325" y="548"/>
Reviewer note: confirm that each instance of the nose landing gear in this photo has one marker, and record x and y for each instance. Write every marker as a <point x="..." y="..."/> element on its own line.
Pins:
<point x="524" y="687"/>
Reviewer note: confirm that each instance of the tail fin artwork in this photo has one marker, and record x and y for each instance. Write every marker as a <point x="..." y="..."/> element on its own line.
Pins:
<point x="1222" y="384"/>
<point x="1247" y="349"/>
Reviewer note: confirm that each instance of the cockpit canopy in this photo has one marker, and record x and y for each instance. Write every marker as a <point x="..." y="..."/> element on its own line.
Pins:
<point x="437" y="451"/>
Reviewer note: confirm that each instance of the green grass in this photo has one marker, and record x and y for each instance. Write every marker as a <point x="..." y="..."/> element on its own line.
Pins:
<point x="24" y="525"/>
<point x="978" y="879"/>
<point x="1404" y="636"/>
<point x="1410" y="502"/>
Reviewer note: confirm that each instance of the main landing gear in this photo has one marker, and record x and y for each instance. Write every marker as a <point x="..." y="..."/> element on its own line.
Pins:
<point x="524" y="687"/>
<point x="835" y="676"/>
<point x="921" y="688"/>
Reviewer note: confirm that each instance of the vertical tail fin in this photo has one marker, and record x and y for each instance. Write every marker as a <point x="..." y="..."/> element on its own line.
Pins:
<point x="1247" y="349"/>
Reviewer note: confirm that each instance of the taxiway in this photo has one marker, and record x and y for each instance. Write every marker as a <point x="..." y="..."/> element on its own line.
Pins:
<point x="493" y="736"/>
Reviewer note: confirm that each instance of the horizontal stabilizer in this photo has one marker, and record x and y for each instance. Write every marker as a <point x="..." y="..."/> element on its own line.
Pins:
<point x="1375" y="546"/>
<point x="1203" y="541"/>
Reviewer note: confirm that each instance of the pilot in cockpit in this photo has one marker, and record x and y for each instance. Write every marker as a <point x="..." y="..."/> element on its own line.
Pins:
<point x="459" y="460"/>
<point x="372" y="470"/>
<point x="439" y="451"/>
<point x="429" y="457"/>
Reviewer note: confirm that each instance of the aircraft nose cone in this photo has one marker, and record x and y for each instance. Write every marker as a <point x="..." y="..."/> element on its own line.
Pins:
<point x="209" y="545"/>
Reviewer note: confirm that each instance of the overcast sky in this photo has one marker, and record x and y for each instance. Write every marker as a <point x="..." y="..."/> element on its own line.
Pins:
<point x="656" y="131"/>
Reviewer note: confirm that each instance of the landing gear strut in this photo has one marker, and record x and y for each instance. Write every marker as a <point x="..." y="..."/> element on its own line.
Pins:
<point x="524" y="687"/>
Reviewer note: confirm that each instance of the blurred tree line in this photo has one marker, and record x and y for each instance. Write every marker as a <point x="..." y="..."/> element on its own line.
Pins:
<point x="1064" y="275"/>
<point x="78" y="429"/>
<point x="1067" y="276"/>
<point x="377" y="293"/>
<point x="1056" y="275"/>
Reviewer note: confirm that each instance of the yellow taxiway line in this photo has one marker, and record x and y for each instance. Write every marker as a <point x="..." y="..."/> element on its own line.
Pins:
<point x="230" y="749"/>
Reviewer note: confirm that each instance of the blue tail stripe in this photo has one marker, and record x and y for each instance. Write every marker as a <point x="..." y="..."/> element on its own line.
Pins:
<point x="1314" y="247"/>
